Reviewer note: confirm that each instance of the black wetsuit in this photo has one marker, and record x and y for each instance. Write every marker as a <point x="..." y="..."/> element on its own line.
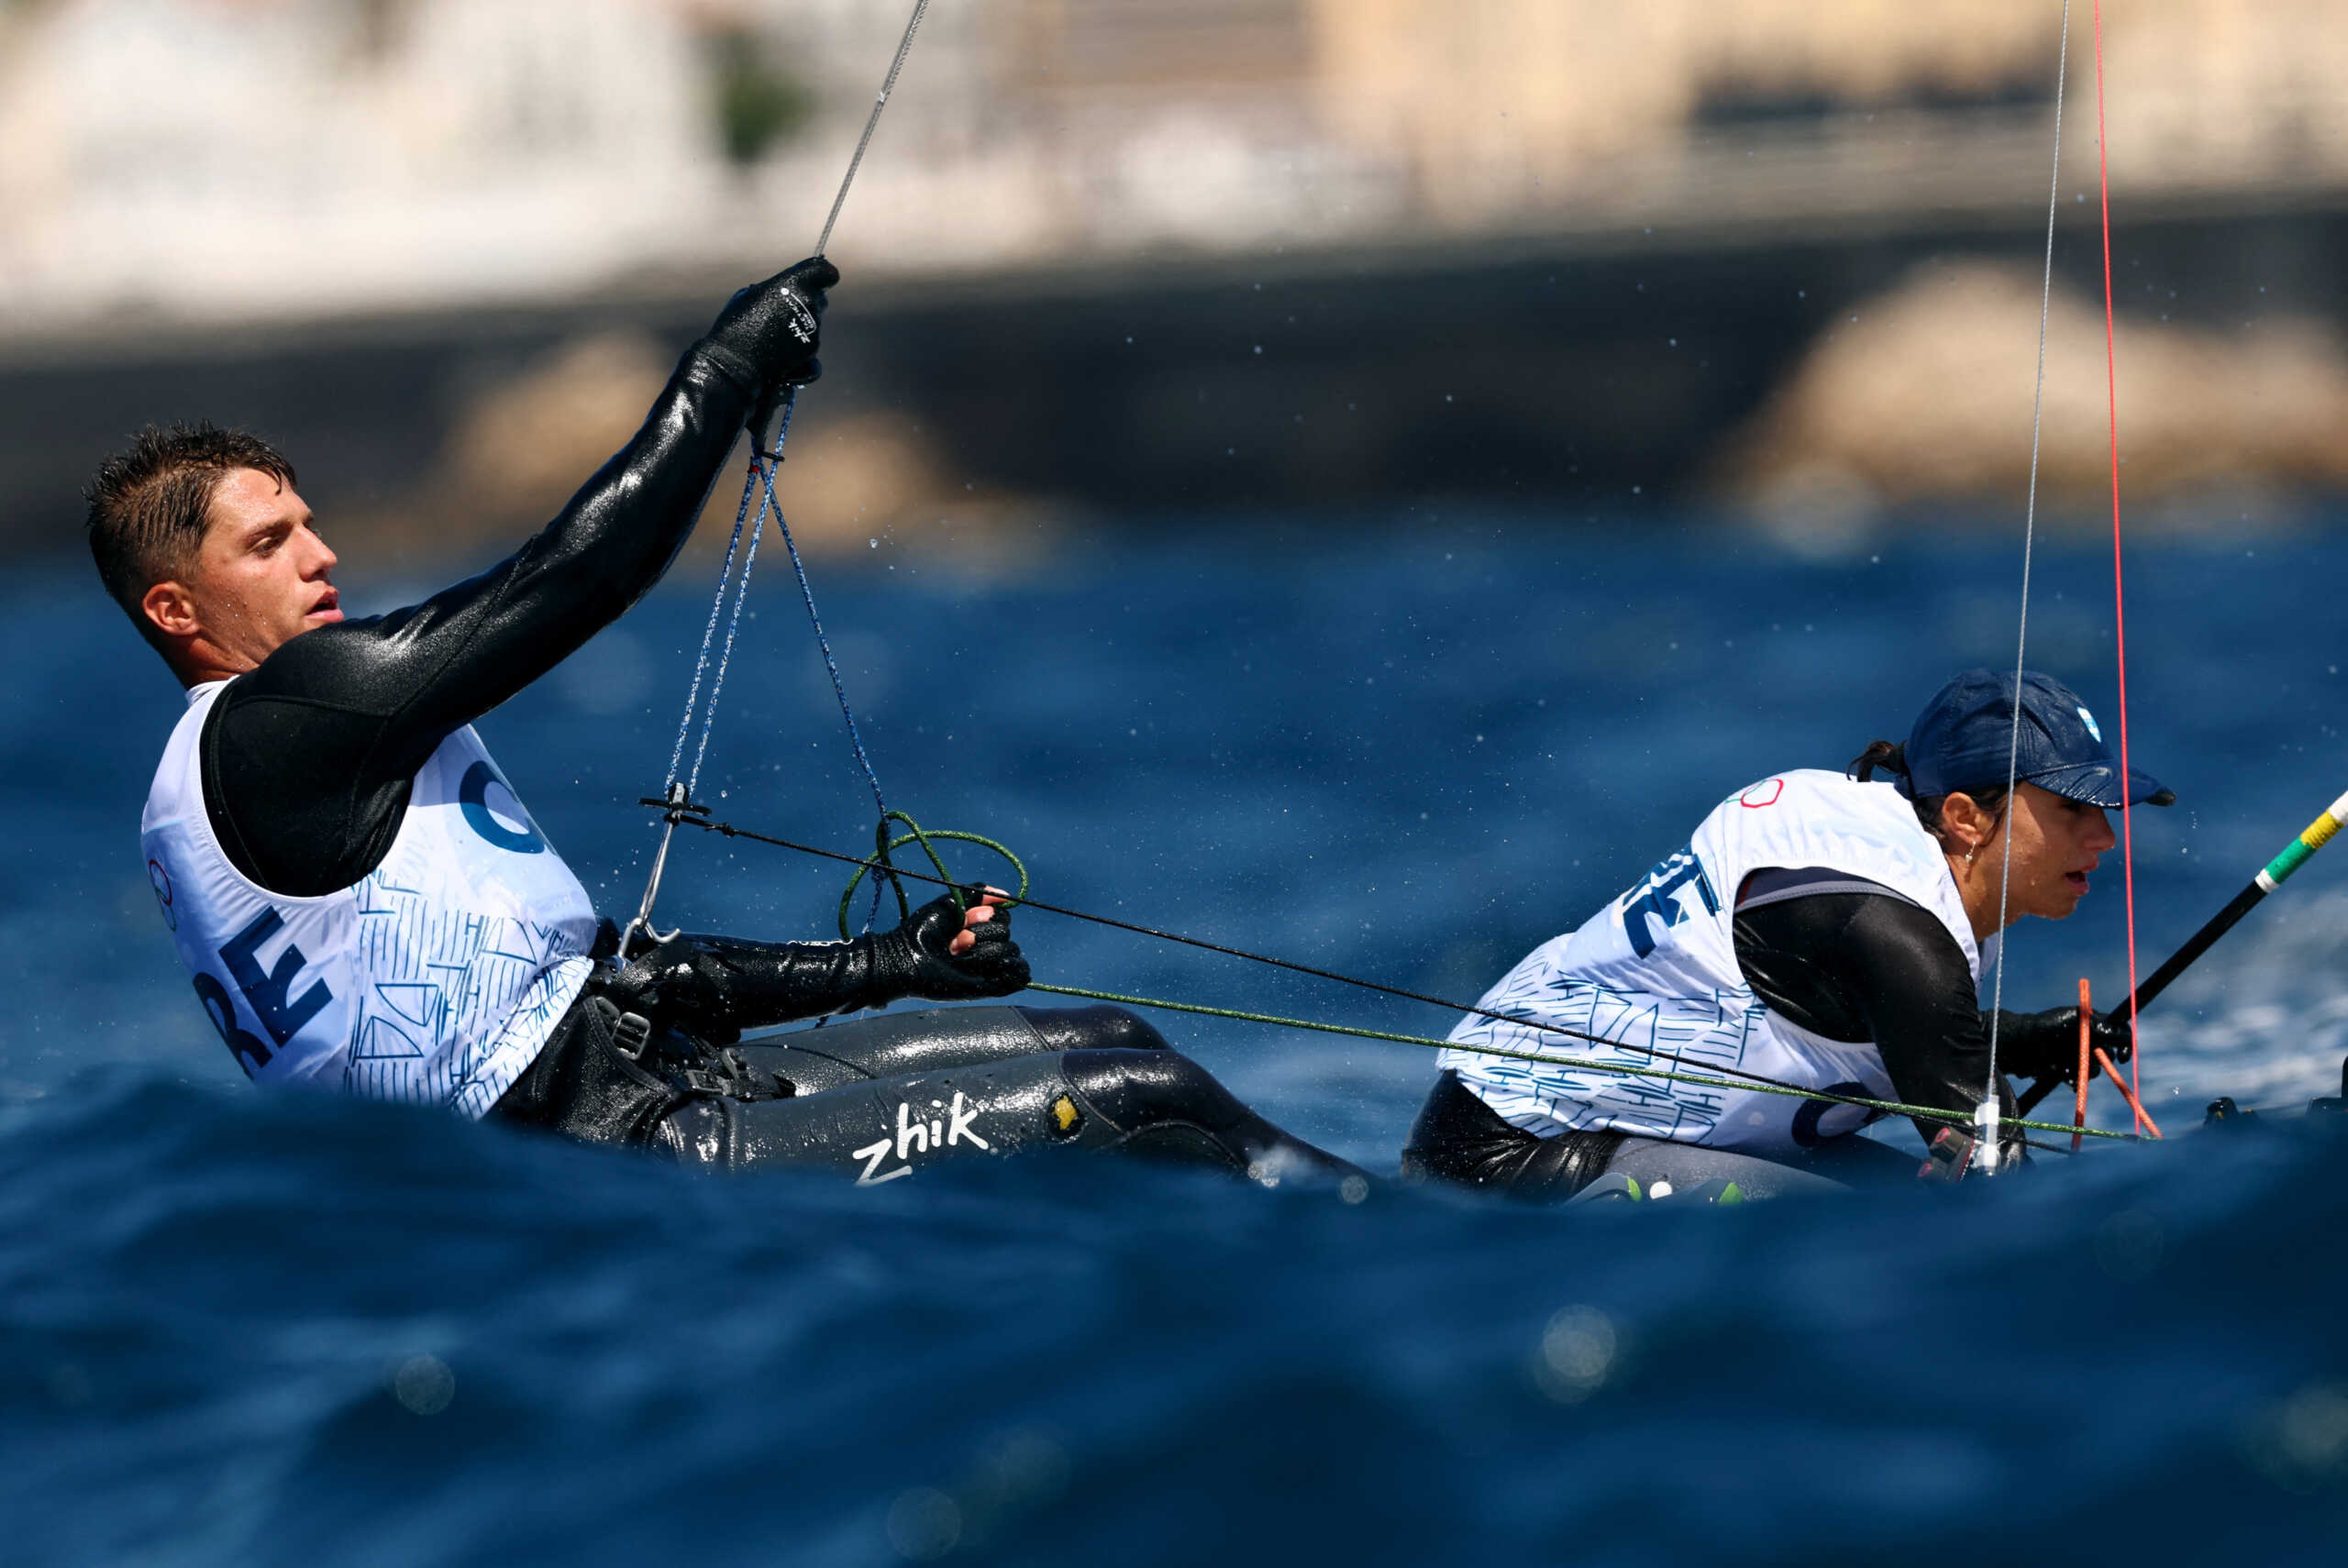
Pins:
<point x="307" y="763"/>
<point x="1834" y="954"/>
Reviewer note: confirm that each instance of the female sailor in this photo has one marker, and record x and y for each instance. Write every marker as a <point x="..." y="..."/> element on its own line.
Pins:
<point x="1821" y="929"/>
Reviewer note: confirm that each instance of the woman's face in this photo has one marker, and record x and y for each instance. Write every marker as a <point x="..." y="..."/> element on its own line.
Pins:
<point x="2056" y="844"/>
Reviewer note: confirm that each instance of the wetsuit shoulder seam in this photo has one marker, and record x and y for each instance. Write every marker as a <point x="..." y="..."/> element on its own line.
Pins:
<point x="299" y="700"/>
<point x="354" y="823"/>
<point x="226" y="830"/>
<point x="1858" y="886"/>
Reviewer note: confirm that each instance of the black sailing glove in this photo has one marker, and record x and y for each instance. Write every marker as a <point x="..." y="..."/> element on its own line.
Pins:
<point x="717" y="986"/>
<point x="2046" y="1045"/>
<point x="769" y="332"/>
<point x="914" y="961"/>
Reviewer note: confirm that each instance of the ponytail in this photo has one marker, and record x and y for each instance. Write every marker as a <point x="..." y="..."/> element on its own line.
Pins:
<point x="1886" y="755"/>
<point x="1892" y="758"/>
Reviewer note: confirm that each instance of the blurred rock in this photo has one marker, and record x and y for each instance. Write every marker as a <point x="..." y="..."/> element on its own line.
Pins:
<point x="846" y="480"/>
<point x="1922" y="395"/>
<point x="876" y="481"/>
<point x="523" y="445"/>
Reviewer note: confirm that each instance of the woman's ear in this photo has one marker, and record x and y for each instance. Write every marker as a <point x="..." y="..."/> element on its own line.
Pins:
<point x="1969" y="826"/>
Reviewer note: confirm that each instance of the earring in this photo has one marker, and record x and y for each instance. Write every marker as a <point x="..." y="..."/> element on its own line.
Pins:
<point x="1968" y="855"/>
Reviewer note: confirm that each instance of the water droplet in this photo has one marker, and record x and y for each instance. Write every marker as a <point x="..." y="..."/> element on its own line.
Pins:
<point x="425" y="1384"/>
<point x="1579" y="1350"/>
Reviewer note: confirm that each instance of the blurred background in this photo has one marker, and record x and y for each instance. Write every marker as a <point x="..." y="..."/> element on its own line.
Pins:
<point x="1775" y="258"/>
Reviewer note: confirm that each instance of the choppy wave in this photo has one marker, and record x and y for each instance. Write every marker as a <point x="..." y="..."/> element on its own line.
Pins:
<point x="241" y="1331"/>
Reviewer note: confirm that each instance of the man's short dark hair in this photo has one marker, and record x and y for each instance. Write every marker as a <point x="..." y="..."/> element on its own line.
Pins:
<point x="149" y="506"/>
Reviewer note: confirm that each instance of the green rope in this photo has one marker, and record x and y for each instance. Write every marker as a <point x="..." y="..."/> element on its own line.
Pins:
<point x="883" y="845"/>
<point x="916" y="834"/>
<point x="1890" y="1106"/>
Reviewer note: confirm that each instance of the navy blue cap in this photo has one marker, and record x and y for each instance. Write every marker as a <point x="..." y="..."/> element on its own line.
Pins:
<point x="1965" y="740"/>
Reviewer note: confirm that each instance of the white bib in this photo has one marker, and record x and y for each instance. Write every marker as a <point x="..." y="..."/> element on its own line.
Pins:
<point x="433" y="980"/>
<point x="1656" y="969"/>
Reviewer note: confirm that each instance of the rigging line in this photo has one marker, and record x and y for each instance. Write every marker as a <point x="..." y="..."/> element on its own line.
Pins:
<point x="761" y="476"/>
<point x="672" y="789"/>
<point x="1538" y="1026"/>
<point x="762" y="465"/>
<point x="709" y="633"/>
<point x="832" y="666"/>
<point x="888" y="85"/>
<point x="2119" y="597"/>
<point x="676" y="792"/>
<point x="2029" y="540"/>
<point x="1887" y="1106"/>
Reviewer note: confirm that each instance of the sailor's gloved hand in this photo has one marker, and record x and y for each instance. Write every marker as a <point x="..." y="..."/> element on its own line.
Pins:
<point x="2046" y="1045"/>
<point x="769" y="332"/>
<point x="717" y="986"/>
<point x="920" y="958"/>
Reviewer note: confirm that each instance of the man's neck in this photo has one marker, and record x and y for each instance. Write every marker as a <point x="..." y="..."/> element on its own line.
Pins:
<point x="201" y="664"/>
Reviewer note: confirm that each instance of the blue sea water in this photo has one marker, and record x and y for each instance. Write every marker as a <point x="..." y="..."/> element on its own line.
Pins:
<point x="249" y="1329"/>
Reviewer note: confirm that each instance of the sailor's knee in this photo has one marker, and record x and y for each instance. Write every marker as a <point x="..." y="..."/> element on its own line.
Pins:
<point x="1160" y="1104"/>
<point x="1136" y="1087"/>
<point x="1097" y="1028"/>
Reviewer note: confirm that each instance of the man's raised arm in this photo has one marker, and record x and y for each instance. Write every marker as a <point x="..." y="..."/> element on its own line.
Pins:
<point x="307" y="759"/>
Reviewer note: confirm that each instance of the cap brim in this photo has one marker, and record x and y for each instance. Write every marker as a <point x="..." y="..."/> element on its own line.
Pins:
<point x="2099" y="784"/>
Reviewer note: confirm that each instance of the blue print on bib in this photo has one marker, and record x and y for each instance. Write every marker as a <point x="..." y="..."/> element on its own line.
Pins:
<point x="472" y="794"/>
<point x="270" y="992"/>
<point x="1657" y="895"/>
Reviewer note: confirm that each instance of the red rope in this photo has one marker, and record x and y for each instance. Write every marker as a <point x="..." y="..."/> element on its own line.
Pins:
<point x="2112" y="1071"/>
<point x="2087" y="1062"/>
<point x="2119" y="597"/>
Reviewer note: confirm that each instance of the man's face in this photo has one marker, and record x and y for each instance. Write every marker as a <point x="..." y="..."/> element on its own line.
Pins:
<point x="261" y="576"/>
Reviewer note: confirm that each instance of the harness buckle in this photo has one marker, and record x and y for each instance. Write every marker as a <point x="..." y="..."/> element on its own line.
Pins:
<point x="631" y="1033"/>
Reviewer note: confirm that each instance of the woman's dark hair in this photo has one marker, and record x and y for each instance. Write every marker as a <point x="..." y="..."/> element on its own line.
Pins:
<point x="1892" y="757"/>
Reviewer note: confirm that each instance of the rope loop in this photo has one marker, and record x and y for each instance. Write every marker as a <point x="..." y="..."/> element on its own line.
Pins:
<point x="885" y="870"/>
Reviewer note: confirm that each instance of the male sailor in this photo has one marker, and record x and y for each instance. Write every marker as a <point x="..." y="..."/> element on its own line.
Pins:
<point x="363" y="903"/>
<point x="1823" y="930"/>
